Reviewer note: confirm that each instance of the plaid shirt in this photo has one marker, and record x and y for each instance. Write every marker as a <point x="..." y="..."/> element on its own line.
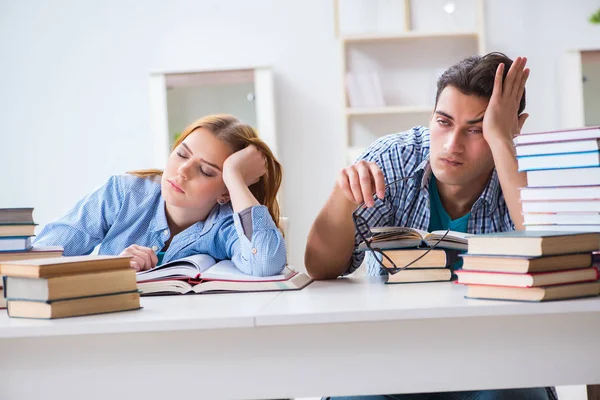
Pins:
<point x="406" y="203"/>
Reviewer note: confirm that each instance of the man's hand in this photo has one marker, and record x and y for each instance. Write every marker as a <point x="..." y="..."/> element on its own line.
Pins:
<point x="360" y="181"/>
<point x="501" y="122"/>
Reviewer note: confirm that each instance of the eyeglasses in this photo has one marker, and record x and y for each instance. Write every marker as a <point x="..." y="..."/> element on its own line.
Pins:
<point x="366" y="235"/>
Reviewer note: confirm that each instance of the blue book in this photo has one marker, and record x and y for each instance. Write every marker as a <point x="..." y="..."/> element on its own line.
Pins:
<point x="584" y="159"/>
<point x="15" y="243"/>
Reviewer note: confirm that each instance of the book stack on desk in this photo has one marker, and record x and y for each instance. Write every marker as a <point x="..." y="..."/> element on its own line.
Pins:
<point x="563" y="177"/>
<point x="531" y="266"/>
<point x="403" y="245"/>
<point x="69" y="286"/>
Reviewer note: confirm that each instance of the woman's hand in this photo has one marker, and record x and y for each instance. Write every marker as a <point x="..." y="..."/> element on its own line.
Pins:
<point x="142" y="258"/>
<point x="246" y="165"/>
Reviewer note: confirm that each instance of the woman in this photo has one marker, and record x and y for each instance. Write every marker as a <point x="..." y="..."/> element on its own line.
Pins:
<point x="217" y="196"/>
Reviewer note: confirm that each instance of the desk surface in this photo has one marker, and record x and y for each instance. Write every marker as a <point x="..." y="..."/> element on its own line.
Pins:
<point x="368" y="299"/>
<point x="343" y="300"/>
<point x="164" y="313"/>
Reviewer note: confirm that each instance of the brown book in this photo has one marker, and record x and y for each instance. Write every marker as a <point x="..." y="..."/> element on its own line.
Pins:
<point x="74" y="307"/>
<point x="527" y="280"/>
<point x="420" y="275"/>
<point x="558" y="292"/>
<point x="16" y="215"/>
<point x="525" y="264"/>
<point x="70" y="286"/>
<point x="33" y="253"/>
<point x="7" y="230"/>
<point x="49" y="267"/>
<point x="436" y="258"/>
<point x="531" y="243"/>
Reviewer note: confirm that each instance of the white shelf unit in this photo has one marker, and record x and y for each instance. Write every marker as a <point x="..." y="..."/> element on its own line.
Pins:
<point x="390" y="75"/>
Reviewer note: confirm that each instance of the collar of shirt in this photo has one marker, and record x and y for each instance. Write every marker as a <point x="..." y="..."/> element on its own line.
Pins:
<point x="489" y="195"/>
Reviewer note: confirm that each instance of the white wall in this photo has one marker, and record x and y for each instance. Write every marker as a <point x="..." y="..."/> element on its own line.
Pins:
<point x="74" y="84"/>
<point x="187" y="104"/>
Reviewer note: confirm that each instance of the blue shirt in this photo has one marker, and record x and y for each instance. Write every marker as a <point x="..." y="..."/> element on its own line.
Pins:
<point x="131" y="210"/>
<point x="406" y="203"/>
<point x="440" y="220"/>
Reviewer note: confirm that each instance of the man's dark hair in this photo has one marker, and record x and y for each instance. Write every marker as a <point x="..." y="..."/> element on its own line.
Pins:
<point x="475" y="76"/>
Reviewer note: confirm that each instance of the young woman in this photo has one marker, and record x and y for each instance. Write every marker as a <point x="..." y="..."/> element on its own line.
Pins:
<point x="217" y="196"/>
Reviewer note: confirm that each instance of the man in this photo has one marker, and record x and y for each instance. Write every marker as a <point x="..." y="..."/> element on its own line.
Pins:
<point x="460" y="174"/>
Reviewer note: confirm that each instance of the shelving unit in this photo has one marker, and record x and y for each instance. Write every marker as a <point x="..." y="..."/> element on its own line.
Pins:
<point x="390" y="68"/>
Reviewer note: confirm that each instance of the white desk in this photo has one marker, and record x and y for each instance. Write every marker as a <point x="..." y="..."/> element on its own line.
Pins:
<point x="340" y="337"/>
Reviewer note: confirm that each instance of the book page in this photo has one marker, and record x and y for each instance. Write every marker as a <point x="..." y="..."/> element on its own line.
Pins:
<point x="187" y="267"/>
<point x="397" y="232"/>
<point x="227" y="271"/>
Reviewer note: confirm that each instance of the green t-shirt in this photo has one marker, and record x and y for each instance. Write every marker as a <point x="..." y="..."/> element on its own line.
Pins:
<point x="440" y="220"/>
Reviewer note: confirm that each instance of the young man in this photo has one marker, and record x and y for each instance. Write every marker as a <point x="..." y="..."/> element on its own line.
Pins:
<point x="460" y="173"/>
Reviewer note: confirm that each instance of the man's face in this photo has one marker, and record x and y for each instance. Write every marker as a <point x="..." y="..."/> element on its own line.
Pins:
<point x="459" y="153"/>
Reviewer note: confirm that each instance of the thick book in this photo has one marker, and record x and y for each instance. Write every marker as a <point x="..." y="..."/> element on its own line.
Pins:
<point x="16" y="215"/>
<point x="557" y="161"/>
<point x="435" y="258"/>
<point x="561" y="193"/>
<point x="17" y="229"/>
<point x="526" y="243"/>
<point x="33" y="253"/>
<point x="561" y="206"/>
<point x="74" y="307"/>
<point x="57" y="266"/>
<point x="525" y="264"/>
<point x="574" y="218"/>
<point x="396" y="237"/>
<point x="527" y="280"/>
<point x="201" y="273"/>
<point x="15" y="243"/>
<point x="592" y="132"/>
<point x="569" y="146"/>
<point x="547" y="293"/>
<point x="564" y="177"/>
<point x="70" y="286"/>
<point x="420" y="275"/>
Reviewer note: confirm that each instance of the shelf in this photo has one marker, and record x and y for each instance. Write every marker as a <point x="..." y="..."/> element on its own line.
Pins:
<point x="357" y="111"/>
<point x="378" y="37"/>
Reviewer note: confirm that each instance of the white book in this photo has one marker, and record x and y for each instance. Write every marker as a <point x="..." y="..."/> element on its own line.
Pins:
<point x="355" y="97"/>
<point x="556" y="161"/>
<point x="559" y="135"/>
<point x="563" y="228"/>
<point x="561" y="218"/>
<point x="561" y="206"/>
<point x="564" y="177"/>
<point x="572" y="146"/>
<point x="561" y="193"/>
<point x="15" y="243"/>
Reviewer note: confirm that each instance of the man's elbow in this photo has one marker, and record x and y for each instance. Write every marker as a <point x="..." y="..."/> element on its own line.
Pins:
<point x="320" y="269"/>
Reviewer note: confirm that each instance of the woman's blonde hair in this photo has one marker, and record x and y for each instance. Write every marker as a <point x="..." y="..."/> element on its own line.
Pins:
<point x="238" y="136"/>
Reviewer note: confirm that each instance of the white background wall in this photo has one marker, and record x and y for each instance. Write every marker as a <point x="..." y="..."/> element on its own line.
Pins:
<point x="74" y="84"/>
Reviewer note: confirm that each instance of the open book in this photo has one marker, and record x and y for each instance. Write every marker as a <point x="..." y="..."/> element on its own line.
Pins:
<point x="399" y="237"/>
<point x="201" y="273"/>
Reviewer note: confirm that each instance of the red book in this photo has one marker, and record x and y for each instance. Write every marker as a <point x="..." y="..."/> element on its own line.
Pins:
<point x="527" y="280"/>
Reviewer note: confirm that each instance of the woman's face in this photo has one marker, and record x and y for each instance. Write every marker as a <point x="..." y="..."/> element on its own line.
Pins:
<point x="193" y="176"/>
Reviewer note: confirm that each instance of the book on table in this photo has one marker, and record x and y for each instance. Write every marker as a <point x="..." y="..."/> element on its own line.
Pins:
<point x="529" y="279"/>
<point x="15" y="243"/>
<point x="16" y="215"/>
<point x="533" y="243"/>
<point x="57" y="266"/>
<point x="201" y="273"/>
<point x="434" y="266"/>
<point x="34" y="252"/>
<point x="396" y="237"/>
<point x="544" y="293"/>
<point x="74" y="307"/>
<point x="525" y="264"/>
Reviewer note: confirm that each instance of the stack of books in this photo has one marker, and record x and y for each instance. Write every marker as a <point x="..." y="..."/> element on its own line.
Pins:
<point x="403" y="245"/>
<point x="531" y="266"/>
<point x="69" y="286"/>
<point x="563" y="177"/>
